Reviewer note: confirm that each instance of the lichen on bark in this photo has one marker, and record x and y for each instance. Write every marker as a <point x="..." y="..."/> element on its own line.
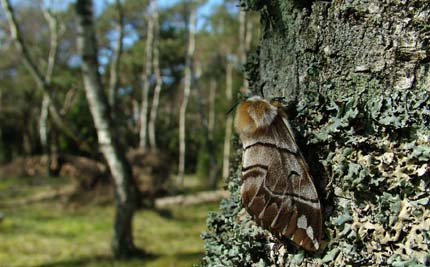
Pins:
<point x="358" y="72"/>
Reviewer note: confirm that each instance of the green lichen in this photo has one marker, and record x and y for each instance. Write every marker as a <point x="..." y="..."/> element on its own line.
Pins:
<point x="376" y="153"/>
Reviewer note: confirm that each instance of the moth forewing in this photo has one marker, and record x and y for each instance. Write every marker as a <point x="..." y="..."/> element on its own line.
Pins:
<point x="277" y="188"/>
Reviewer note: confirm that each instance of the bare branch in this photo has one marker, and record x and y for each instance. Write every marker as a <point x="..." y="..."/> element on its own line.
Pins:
<point x="41" y="81"/>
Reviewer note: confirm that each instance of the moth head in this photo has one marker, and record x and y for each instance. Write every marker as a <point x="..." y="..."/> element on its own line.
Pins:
<point x="253" y="114"/>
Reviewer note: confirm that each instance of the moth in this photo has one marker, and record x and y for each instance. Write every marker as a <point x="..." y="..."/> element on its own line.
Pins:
<point x="276" y="186"/>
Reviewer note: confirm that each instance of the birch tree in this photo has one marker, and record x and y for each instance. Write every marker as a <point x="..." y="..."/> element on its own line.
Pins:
<point x="126" y="191"/>
<point x="116" y="57"/>
<point x="143" y="132"/>
<point x="186" y="93"/>
<point x="243" y="43"/>
<point x="158" y="79"/>
<point x="44" y="110"/>
<point x="41" y="82"/>
<point x="211" y="116"/>
<point x="229" y="120"/>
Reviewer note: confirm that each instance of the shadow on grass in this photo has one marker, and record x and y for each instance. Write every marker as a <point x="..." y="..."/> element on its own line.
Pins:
<point x="106" y="260"/>
<point x="95" y="261"/>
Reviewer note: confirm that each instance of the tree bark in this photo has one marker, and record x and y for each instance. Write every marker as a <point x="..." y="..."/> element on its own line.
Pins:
<point x="126" y="191"/>
<point x="187" y="88"/>
<point x="44" y="110"/>
<point x="40" y="80"/>
<point x="211" y="117"/>
<point x="116" y="57"/>
<point x="355" y="78"/>
<point x="158" y="79"/>
<point x="143" y="142"/>
<point x="244" y="41"/>
<point x="229" y="121"/>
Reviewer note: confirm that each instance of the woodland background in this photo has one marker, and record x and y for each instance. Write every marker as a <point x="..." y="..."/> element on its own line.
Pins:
<point x="83" y="183"/>
<point x="165" y="73"/>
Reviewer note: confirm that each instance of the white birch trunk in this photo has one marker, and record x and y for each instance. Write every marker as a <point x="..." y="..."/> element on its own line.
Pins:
<point x="116" y="56"/>
<point x="187" y="89"/>
<point x="125" y="187"/>
<point x="44" y="110"/>
<point x="229" y="121"/>
<point x="243" y="28"/>
<point x="145" y="89"/>
<point x="159" y="81"/>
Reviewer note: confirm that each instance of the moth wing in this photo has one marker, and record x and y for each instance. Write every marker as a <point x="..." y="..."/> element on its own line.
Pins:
<point x="277" y="188"/>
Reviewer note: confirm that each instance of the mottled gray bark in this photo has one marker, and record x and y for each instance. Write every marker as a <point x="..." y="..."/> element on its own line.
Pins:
<point x="126" y="191"/>
<point x="356" y="78"/>
<point x="187" y="89"/>
<point x="346" y="46"/>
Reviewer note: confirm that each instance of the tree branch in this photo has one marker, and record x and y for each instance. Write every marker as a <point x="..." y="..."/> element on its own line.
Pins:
<point x="116" y="56"/>
<point x="41" y="81"/>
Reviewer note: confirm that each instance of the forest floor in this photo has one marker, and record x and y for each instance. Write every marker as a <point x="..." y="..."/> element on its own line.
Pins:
<point x="53" y="233"/>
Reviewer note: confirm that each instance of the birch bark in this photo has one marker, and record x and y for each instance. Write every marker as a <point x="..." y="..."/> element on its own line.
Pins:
<point x="187" y="89"/>
<point x="126" y="191"/>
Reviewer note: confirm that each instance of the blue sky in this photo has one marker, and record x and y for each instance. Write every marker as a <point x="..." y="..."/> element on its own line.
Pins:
<point x="100" y="4"/>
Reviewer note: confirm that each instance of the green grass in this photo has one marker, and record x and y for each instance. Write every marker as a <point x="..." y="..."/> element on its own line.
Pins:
<point x="54" y="234"/>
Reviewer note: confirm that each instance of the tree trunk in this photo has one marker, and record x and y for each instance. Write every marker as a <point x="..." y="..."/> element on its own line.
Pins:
<point x="43" y="132"/>
<point x="40" y="80"/>
<point x="243" y="43"/>
<point x="229" y="121"/>
<point x="158" y="79"/>
<point x="211" y="117"/>
<point x="126" y="191"/>
<point x="187" y="89"/>
<point x="44" y="110"/>
<point x="116" y="57"/>
<point x="355" y="76"/>
<point x="145" y="79"/>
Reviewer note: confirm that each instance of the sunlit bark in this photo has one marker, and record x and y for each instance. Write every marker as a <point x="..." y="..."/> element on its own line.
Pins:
<point x="158" y="79"/>
<point x="116" y="57"/>
<point x="186" y="94"/>
<point x="126" y="191"/>
<point x="143" y="142"/>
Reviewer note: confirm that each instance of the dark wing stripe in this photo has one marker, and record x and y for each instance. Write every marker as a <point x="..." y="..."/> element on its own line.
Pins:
<point x="265" y="167"/>
<point x="272" y="146"/>
<point x="252" y="173"/>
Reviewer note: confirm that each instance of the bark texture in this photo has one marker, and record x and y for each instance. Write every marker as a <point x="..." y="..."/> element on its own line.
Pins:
<point x="125" y="187"/>
<point x="356" y="78"/>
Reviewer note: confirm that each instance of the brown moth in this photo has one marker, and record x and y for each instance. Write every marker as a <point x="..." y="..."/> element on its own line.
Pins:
<point x="277" y="189"/>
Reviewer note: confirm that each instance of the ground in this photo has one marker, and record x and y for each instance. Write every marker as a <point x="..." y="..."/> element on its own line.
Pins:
<point x="52" y="233"/>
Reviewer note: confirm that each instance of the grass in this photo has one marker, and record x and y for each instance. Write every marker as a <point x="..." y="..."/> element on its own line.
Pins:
<point x="53" y="234"/>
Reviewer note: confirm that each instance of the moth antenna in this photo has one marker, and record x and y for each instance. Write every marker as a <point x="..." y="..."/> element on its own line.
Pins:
<point x="232" y="108"/>
<point x="261" y="88"/>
